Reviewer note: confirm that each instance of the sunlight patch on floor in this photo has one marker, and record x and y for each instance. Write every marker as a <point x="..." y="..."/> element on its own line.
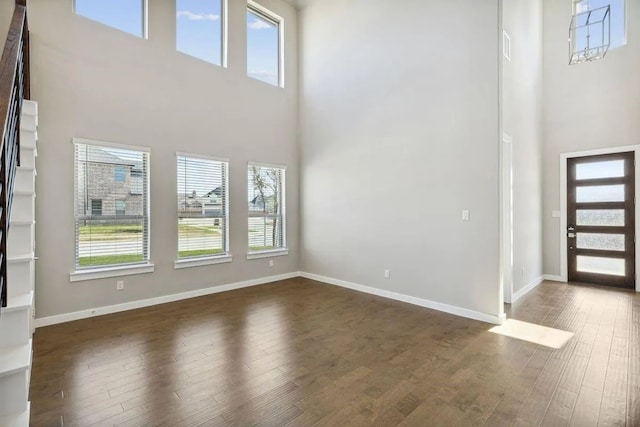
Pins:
<point x="549" y="337"/>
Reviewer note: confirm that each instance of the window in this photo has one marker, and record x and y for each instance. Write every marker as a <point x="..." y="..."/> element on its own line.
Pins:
<point x="112" y="223"/>
<point x="264" y="53"/>
<point x="96" y="207"/>
<point x="125" y="15"/>
<point x="137" y="181"/>
<point x="617" y="20"/>
<point x="120" y="174"/>
<point x="266" y="191"/>
<point x="121" y="207"/>
<point x="202" y="207"/>
<point x="200" y="29"/>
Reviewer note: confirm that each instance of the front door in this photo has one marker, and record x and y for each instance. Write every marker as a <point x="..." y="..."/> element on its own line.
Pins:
<point x="601" y="220"/>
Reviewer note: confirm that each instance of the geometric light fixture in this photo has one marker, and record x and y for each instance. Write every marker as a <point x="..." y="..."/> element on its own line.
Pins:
<point x="589" y="35"/>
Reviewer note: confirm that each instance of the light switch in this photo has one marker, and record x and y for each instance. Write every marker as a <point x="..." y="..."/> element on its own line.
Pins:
<point x="465" y="215"/>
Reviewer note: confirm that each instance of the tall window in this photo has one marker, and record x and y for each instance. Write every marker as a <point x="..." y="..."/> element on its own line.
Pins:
<point x="125" y="15"/>
<point x="112" y="222"/>
<point x="200" y="29"/>
<point x="202" y="207"/>
<point x="617" y="20"/>
<point x="266" y="185"/>
<point x="264" y="53"/>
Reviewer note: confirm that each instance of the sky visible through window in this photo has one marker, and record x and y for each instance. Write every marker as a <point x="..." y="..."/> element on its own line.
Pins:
<point x="262" y="49"/>
<point x="199" y="29"/>
<point x="125" y="15"/>
<point x="617" y="21"/>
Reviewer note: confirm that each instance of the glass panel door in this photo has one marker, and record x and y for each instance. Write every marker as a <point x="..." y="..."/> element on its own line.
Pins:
<point x="601" y="220"/>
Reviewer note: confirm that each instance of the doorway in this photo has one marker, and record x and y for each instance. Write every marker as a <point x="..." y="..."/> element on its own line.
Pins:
<point x="600" y="233"/>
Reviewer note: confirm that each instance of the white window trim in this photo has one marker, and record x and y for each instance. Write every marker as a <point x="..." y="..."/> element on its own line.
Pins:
<point x="279" y="20"/>
<point x="145" y="19"/>
<point x="202" y="261"/>
<point x="280" y="251"/>
<point x="115" y="271"/>
<point x="268" y="254"/>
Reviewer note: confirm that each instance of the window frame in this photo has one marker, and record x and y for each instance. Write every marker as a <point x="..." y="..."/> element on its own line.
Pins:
<point x="224" y="36"/>
<point x="283" y="250"/>
<point x="198" y="261"/>
<point x="278" y="21"/>
<point x="625" y="21"/>
<point x="144" y="24"/>
<point x="113" y="270"/>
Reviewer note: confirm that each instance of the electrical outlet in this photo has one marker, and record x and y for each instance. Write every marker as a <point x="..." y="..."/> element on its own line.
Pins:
<point x="465" y="215"/>
<point x="387" y="274"/>
<point x="271" y="263"/>
<point x="120" y="285"/>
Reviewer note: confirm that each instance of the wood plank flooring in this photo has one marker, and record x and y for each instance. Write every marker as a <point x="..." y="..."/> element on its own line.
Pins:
<point x="301" y="353"/>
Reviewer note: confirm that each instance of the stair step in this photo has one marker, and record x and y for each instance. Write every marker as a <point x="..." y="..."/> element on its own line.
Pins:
<point x="16" y="320"/>
<point x="17" y="420"/>
<point x="21" y="238"/>
<point x="20" y="274"/>
<point x="19" y="302"/>
<point x="25" y="180"/>
<point x="15" y="359"/>
<point x="28" y="138"/>
<point x="23" y="208"/>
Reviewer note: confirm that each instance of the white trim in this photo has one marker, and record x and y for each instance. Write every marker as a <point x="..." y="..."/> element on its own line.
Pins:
<point x="201" y="261"/>
<point x="202" y="156"/>
<point x="563" y="202"/>
<point x="279" y="21"/>
<point x="506" y="218"/>
<point x="522" y="292"/>
<point x="87" y="141"/>
<point x="458" y="311"/>
<point x="267" y="165"/>
<point x="117" y="271"/>
<point x="267" y="254"/>
<point x="553" y="278"/>
<point x="99" y="311"/>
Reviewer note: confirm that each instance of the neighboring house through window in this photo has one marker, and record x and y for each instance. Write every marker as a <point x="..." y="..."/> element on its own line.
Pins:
<point x="266" y="203"/>
<point x="112" y="222"/>
<point x="120" y="174"/>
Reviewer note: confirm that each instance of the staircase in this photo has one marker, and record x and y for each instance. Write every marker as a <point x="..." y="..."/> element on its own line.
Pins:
<point x="16" y="319"/>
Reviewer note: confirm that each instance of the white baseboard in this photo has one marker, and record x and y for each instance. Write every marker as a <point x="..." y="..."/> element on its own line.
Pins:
<point x="553" y="278"/>
<point x="99" y="311"/>
<point x="522" y="292"/>
<point x="458" y="311"/>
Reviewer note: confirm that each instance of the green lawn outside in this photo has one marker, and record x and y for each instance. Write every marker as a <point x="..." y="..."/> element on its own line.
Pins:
<point x="199" y="252"/>
<point x="93" y="261"/>
<point x="114" y="232"/>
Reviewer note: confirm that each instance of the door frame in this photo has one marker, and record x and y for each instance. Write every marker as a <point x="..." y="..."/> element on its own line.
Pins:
<point x="564" y="273"/>
<point x="506" y="217"/>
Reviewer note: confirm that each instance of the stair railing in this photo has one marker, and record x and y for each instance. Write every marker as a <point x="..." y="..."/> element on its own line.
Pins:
<point x="14" y="88"/>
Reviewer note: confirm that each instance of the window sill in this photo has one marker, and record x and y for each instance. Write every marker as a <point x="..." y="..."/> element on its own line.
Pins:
<point x="102" y="273"/>
<point x="267" y="254"/>
<point x="200" y="262"/>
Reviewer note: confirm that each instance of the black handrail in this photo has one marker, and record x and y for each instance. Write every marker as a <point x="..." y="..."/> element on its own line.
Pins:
<point x="14" y="88"/>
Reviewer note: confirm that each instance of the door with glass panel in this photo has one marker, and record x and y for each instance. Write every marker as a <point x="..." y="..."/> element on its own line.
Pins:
<point x="601" y="220"/>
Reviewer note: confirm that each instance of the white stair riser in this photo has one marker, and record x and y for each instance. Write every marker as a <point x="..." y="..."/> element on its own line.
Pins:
<point x="28" y="123"/>
<point x="15" y="327"/>
<point x="21" y="238"/>
<point x="28" y="138"/>
<point x="20" y="277"/>
<point x="13" y="393"/>
<point x="28" y="157"/>
<point x="23" y="208"/>
<point x="25" y="180"/>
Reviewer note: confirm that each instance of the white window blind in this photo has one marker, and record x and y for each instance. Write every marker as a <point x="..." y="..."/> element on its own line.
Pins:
<point x="202" y="207"/>
<point x="112" y="222"/>
<point x="266" y="191"/>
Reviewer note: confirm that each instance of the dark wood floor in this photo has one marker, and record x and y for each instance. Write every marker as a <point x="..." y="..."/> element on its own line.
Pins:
<point x="300" y="353"/>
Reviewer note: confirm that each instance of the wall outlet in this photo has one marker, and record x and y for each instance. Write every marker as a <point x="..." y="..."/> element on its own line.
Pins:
<point x="120" y="285"/>
<point x="271" y="263"/>
<point x="465" y="215"/>
<point x="387" y="274"/>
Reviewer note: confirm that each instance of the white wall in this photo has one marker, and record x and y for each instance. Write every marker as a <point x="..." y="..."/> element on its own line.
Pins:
<point x="400" y="134"/>
<point x="586" y="106"/>
<point x="95" y="82"/>
<point x="522" y="120"/>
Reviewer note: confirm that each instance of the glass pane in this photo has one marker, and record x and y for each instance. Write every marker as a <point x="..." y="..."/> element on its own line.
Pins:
<point x="263" y="232"/>
<point x="609" y="169"/>
<point x="617" y="17"/>
<point x="125" y="15"/>
<point x="590" y="264"/>
<point x="600" y="193"/>
<point x="608" y="242"/>
<point x="199" y="29"/>
<point x="110" y="241"/>
<point x="263" y="49"/>
<point x="600" y="217"/>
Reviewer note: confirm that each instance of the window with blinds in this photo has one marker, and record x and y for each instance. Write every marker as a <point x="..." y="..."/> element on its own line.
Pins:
<point x="266" y="191"/>
<point x="202" y="207"/>
<point x="111" y="205"/>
